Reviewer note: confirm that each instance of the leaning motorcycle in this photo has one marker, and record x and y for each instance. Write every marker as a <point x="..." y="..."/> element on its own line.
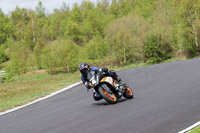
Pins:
<point x="108" y="88"/>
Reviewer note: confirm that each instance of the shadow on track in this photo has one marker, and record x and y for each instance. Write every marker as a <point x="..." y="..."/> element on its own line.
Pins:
<point x="106" y="103"/>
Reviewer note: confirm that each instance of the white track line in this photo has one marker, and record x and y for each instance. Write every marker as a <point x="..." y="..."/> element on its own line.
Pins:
<point x="190" y="128"/>
<point x="38" y="100"/>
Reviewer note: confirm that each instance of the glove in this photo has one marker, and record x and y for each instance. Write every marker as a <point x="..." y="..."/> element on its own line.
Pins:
<point x="103" y="69"/>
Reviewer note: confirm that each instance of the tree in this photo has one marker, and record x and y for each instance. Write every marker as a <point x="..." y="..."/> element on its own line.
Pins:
<point x="40" y="10"/>
<point x="114" y="31"/>
<point x="3" y="56"/>
<point x="114" y="9"/>
<point x="64" y="7"/>
<point x="31" y="30"/>
<point x="191" y="12"/>
<point x="158" y="44"/>
<point x="144" y="8"/>
<point x="20" y="19"/>
<point x="186" y="25"/>
<point x="38" y="52"/>
<point x="96" y="21"/>
<point x="73" y="31"/>
<point x="6" y="27"/>
<point x="60" y="56"/>
<point x="125" y="7"/>
<point x="50" y="58"/>
<point x="76" y="14"/>
<point x="103" y="6"/>
<point x="55" y="28"/>
<point x="69" y="55"/>
<point x="126" y="37"/>
<point x="20" y="60"/>
<point x="97" y="48"/>
<point x="66" y="14"/>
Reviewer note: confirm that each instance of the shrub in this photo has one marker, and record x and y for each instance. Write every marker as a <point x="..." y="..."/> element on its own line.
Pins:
<point x="60" y="56"/>
<point x="126" y="36"/>
<point x="156" y="50"/>
<point x="21" y="61"/>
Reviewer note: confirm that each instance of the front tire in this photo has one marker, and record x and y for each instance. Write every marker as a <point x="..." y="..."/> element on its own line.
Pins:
<point x="128" y="94"/>
<point x="109" y="97"/>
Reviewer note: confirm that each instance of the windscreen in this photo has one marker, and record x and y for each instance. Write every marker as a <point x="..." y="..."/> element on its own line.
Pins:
<point x="91" y="75"/>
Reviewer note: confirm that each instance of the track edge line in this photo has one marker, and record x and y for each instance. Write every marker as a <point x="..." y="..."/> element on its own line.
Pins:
<point x="190" y="128"/>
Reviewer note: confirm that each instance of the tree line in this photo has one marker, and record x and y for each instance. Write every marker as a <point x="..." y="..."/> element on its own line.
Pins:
<point x="116" y="32"/>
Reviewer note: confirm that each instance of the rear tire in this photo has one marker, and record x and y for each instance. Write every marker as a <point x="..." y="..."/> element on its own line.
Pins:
<point x="128" y="94"/>
<point x="110" y="98"/>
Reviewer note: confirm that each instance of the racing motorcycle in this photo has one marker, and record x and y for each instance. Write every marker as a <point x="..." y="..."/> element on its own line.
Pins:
<point x="108" y="88"/>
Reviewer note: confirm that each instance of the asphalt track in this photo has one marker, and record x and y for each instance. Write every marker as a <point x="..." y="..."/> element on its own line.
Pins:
<point x="167" y="100"/>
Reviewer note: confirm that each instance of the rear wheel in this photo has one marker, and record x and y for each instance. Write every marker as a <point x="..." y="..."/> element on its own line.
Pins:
<point x="128" y="93"/>
<point x="108" y="95"/>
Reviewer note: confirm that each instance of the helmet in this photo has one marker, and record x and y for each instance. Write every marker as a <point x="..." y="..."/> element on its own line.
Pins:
<point x="84" y="68"/>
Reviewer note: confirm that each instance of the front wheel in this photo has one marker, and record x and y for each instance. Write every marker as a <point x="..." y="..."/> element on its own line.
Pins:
<point x="128" y="93"/>
<point x="108" y="95"/>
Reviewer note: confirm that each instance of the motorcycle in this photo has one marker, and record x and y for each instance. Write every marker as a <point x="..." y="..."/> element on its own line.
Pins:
<point x="108" y="88"/>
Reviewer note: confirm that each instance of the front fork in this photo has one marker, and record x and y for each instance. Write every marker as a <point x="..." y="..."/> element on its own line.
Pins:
<point x="120" y="90"/>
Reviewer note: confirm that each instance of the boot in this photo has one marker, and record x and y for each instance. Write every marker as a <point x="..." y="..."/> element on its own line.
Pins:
<point x="122" y="83"/>
<point x="121" y="91"/>
<point x="96" y="96"/>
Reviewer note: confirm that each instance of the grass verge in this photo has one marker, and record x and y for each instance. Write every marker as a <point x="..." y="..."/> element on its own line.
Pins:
<point x="196" y="130"/>
<point x="26" y="88"/>
<point x="30" y="87"/>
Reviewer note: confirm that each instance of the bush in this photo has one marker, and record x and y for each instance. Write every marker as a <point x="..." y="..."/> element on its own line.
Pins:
<point x="126" y="36"/>
<point x="156" y="50"/>
<point x="60" y="56"/>
<point x="3" y="56"/>
<point x="21" y="61"/>
<point x="97" y="48"/>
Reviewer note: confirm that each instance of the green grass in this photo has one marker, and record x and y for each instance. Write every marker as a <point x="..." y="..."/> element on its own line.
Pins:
<point x="128" y="66"/>
<point x="196" y="130"/>
<point x="28" y="87"/>
<point x="173" y="59"/>
<point x="145" y="64"/>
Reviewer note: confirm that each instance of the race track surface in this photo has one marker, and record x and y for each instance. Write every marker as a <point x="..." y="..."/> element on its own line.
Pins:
<point x="167" y="100"/>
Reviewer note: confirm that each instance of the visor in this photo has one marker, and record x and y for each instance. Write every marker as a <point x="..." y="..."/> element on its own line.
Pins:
<point x="85" y="67"/>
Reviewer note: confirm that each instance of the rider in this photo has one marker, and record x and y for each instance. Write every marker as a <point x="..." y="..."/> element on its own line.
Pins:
<point x="85" y="69"/>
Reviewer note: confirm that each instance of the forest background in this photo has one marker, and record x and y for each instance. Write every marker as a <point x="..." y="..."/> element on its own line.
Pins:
<point x="109" y="33"/>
